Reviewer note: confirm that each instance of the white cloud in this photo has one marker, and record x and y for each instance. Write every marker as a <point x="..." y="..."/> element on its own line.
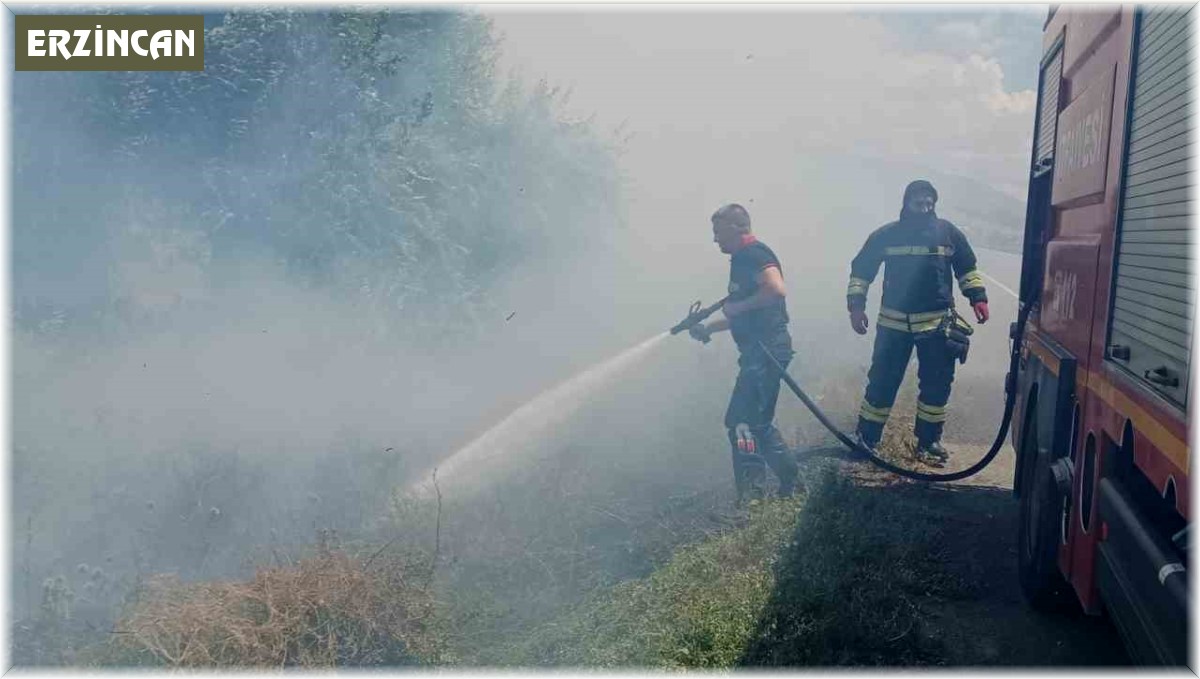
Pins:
<point x="969" y="31"/>
<point x="969" y="36"/>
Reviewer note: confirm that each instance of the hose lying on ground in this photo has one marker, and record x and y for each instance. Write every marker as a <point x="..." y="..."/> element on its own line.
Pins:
<point x="1010" y="398"/>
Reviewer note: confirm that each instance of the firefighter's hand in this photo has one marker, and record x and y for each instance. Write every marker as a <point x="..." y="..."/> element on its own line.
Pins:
<point x="745" y="439"/>
<point x="981" y="312"/>
<point x="858" y="321"/>
<point x="700" y="333"/>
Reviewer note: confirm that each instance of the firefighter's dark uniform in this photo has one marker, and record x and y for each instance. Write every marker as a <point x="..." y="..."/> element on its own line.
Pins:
<point x="757" y="388"/>
<point x="924" y="255"/>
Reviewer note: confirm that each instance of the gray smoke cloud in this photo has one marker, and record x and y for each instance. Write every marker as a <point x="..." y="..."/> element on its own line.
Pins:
<point x="184" y="401"/>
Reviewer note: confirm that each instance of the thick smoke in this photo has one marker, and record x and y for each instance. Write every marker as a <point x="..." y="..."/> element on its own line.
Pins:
<point x="261" y="301"/>
<point x="249" y="302"/>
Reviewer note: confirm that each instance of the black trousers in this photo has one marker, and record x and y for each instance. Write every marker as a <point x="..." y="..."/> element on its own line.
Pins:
<point x="935" y="373"/>
<point x="755" y="394"/>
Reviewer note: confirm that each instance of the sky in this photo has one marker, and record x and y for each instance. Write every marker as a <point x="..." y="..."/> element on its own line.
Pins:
<point x="951" y="88"/>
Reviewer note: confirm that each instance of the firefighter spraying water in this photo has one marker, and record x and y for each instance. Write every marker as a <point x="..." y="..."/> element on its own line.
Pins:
<point x="922" y="256"/>
<point x="755" y="313"/>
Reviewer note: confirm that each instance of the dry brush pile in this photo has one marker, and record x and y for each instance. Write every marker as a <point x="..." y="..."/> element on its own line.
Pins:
<point x="329" y="610"/>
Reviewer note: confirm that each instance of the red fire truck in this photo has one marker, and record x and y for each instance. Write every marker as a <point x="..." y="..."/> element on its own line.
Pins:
<point x="1107" y="297"/>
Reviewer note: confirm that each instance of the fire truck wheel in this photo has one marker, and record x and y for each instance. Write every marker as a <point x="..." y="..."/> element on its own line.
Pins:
<point x="1038" y="534"/>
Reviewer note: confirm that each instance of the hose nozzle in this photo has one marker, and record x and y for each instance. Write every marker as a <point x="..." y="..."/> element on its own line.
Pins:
<point x="696" y="315"/>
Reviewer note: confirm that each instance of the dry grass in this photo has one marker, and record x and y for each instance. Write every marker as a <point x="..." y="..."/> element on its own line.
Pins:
<point x="839" y="395"/>
<point x="332" y="610"/>
<point x="898" y="443"/>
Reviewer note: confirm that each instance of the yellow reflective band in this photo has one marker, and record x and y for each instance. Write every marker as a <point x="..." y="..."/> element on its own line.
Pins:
<point x="912" y="318"/>
<point x="938" y="251"/>
<point x="885" y="322"/>
<point x="924" y="321"/>
<point x="932" y="410"/>
<point x="934" y="414"/>
<point x="872" y="414"/>
<point x="925" y="326"/>
<point x="926" y="316"/>
<point x="915" y="328"/>
<point x="857" y="286"/>
<point x="970" y="280"/>
<point x="881" y="410"/>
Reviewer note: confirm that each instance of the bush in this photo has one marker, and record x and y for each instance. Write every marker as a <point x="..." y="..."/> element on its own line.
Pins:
<point x="330" y="610"/>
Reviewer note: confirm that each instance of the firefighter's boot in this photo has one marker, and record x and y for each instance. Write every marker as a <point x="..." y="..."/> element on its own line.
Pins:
<point x="865" y="445"/>
<point x="933" y="453"/>
<point x="775" y="452"/>
<point x="867" y="437"/>
<point x="928" y="430"/>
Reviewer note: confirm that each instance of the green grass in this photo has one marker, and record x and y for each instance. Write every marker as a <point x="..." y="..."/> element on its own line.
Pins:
<point x="836" y="578"/>
<point x="700" y="610"/>
<point x="850" y="588"/>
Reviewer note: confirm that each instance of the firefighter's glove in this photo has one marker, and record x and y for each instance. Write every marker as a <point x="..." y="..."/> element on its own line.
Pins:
<point x="981" y="312"/>
<point x="744" y="439"/>
<point x="958" y="336"/>
<point x="958" y="346"/>
<point x="700" y="333"/>
<point x="858" y="321"/>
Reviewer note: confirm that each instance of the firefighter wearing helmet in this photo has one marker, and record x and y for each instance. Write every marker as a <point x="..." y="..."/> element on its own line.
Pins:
<point x="923" y="256"/>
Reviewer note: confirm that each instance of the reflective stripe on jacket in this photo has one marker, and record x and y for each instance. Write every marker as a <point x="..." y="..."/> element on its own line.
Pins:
<point x="925" y="321"/>
<point x="924" y="256"/>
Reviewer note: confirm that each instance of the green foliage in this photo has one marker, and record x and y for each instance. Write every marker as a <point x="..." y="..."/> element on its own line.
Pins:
<point x="373" y="151"/>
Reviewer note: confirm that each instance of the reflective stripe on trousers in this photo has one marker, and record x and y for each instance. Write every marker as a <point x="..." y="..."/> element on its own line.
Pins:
<point x="889" y="361"/>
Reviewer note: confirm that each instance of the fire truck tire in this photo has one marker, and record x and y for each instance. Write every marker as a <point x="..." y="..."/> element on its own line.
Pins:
<point x="1038" y="534"/>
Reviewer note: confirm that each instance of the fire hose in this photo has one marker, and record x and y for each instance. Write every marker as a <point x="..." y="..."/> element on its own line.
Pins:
<point x="696" y="315"/>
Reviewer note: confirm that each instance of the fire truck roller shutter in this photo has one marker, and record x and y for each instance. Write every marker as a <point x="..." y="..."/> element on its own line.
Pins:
<point x="1153" y="294"/>
<point x="1047" y="123"/>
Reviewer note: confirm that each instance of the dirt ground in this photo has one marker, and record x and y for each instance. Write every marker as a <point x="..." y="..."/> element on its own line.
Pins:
<point x="998" y="628"/>
<point x="995" y="627"/>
